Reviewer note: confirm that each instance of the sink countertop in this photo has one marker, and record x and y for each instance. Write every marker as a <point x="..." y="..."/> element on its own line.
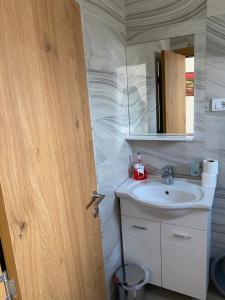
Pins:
<point x="203" y="201"/>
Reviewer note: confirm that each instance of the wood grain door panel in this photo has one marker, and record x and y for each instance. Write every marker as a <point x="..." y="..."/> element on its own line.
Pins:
<point x="51" y="242"/>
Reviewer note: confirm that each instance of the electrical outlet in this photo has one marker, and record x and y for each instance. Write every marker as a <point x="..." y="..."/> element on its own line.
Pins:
<point x="218" y="104"/>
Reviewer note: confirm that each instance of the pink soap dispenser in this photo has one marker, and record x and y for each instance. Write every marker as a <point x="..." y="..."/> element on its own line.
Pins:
<point x="140" y="172"/>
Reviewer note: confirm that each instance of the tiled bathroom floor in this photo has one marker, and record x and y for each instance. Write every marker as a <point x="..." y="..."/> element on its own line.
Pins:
<point x="155" y="293"/>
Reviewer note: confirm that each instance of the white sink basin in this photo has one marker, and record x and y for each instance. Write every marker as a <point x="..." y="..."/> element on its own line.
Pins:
<point x="174" y="200"/>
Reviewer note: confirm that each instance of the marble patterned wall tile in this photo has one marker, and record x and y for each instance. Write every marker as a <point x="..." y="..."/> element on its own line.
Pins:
<point x="214" y="130"/>
<point x="184" y="28"/>
<point x="215" y="121"/>
<point x="215" y="66"/>
<point x="159" y="154"/>
<point x="215" y="7"/>
<point x="200" y="69"/>
<point x="180" y="42"/>
<point x="160" y="19"/>
<point x="110" y="122"/>
<point x="111" y="160"/>
<point x="104" y="34"/>
<point x="218" y="223"/>
<point x="108" y="96"/>
<point x="104" y="39"/>
<point x="215" y="88"/>
<point x="110" y="226"/>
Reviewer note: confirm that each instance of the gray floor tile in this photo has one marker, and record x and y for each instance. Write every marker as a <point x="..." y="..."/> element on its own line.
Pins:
<point x="155" y="293"/>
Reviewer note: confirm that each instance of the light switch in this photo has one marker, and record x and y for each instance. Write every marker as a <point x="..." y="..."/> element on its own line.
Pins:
<point x="218" y="104"/>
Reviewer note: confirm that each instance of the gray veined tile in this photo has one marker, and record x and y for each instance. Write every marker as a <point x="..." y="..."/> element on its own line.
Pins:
<point x="104" y="37"/>
<point x="214" y="130"/>
<point x="218" y="219"/>
<point x="215" y="7"/>
<point x="110" y="234"/>
<point x="159" y="154"/>
<point x="142" y="104"/>
<point x="180" y="42"/>
<point x="200" y="68"/>
<point x="215" y="66"/>
<point x="165" y="32"/>
<point x="160" y="19"/>
<point x="215" y="36"/>
<point x="109" y="205"/>
<point x="214" y="122"/>
<point x="143" y="14"/>
<point x="199" y="122"/>
<point x="111" y="156"/>
<point x="218" y="222"/>
<point x="200" y="58"/>
<point x="111" y="153"/>
<point x="108" y="94"/>
<point x="115" y="8"/>
<point x="111" y="128"/>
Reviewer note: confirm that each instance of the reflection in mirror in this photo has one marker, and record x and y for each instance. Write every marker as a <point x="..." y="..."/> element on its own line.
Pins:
<point x="161" y="86"/>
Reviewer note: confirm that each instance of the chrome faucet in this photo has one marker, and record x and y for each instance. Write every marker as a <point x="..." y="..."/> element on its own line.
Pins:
<point x="167" y="174"/>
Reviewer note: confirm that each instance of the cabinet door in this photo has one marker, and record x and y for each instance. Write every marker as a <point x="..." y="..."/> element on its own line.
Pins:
<point x="184" y="264"/>
<point x="141" y="245"/>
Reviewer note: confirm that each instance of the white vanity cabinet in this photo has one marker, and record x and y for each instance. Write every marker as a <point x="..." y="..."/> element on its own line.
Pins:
<point x="175" y="251"/>
<point x="184" y="260"/>
<point x="141" y="245"/>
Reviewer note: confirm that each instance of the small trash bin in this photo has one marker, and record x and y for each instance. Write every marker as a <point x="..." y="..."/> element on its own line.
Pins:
<point x="130" y="280"/>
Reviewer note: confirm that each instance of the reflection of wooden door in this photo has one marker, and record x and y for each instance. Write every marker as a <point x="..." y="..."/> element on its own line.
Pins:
<point x="173" y="92"/>
<point x="51" y="242"/>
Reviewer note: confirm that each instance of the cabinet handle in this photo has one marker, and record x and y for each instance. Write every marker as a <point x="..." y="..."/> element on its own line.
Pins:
<point x="139" y="227"/>
<point x="182" y="236"/>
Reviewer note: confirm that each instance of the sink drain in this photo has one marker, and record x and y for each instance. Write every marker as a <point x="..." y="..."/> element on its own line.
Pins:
<point x="167" y="192"/>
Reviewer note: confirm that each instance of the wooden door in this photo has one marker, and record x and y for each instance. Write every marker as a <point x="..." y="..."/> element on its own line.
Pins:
<point x="173" y="92"/>
<point x="51" y="242"/>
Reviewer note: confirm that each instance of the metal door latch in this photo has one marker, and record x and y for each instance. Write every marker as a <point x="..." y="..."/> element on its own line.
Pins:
<point x="98" y="199"/>
<point x="10" y="286"/>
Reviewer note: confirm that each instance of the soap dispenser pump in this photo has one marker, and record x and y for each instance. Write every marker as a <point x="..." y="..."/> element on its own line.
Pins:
<point x="140" y="172"/>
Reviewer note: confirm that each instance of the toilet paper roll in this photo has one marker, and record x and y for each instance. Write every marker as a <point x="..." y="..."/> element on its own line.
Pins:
<point x="209" y="181"/>
<point x="210" y="166"/>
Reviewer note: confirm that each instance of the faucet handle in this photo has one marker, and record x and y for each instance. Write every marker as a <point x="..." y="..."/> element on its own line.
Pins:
<point x="167" y="170"/>
<point x="196" y="168"/>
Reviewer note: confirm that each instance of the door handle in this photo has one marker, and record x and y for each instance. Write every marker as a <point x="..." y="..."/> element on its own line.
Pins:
<point x="96" y="199"/>
<point x="182" y="236"/>
<point x="139" y="227"/>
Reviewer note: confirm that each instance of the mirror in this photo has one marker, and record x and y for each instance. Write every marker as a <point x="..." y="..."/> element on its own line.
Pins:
<point x="161" y="86"/>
